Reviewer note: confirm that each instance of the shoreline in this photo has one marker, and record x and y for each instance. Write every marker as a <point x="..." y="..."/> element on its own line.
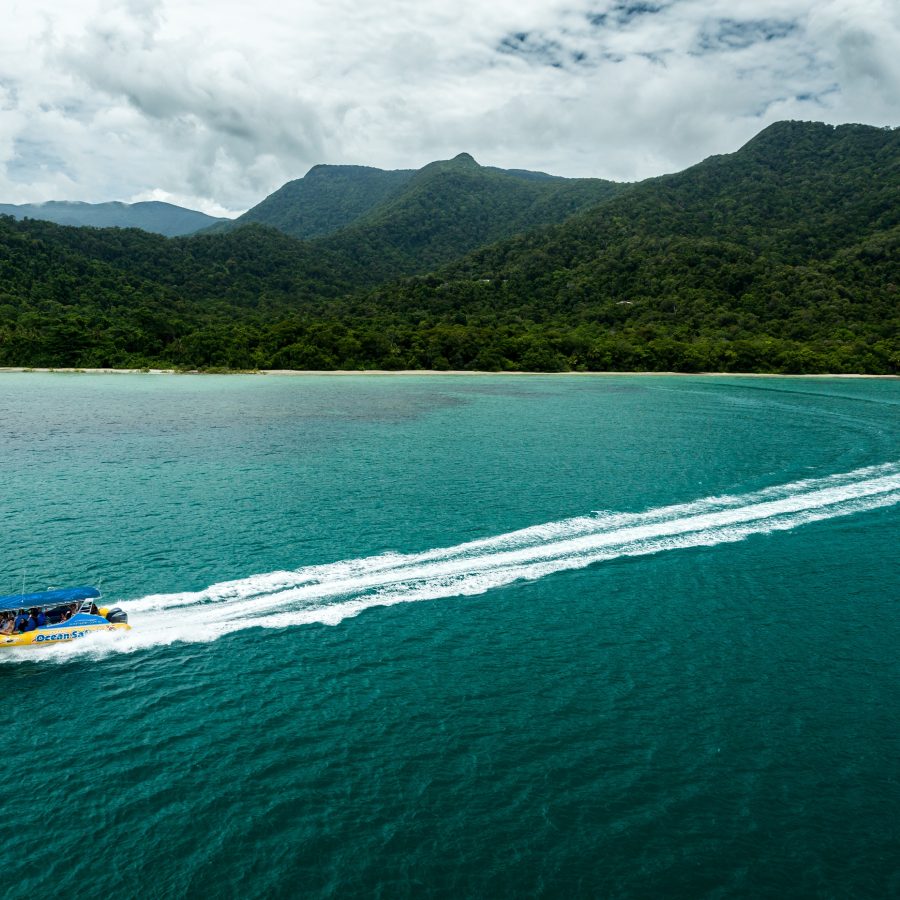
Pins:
<point x="406" y="373"/>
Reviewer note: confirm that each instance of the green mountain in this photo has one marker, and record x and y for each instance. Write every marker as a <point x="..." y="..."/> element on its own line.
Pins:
<point x="407" y="221"/>
<point x="325" y="200"/>
<point x="783" y="256"/>
<point x="151" y="215"/>
<point x="451" y="207"/>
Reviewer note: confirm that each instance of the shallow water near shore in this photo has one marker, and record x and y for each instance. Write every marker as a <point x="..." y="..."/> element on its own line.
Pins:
<point x="479" y="636"/>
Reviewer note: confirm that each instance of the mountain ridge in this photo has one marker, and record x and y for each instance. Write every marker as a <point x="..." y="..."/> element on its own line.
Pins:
<point x="331" y="198"/>
<point x="449" y="208"/>
<point x="154" y="216"/>
<point x="326" y="199"/>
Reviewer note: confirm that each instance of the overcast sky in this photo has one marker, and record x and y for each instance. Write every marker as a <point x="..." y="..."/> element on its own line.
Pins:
<point x="215" y="103"/>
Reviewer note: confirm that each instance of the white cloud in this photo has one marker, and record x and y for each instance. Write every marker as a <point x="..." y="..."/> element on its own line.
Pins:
<point x="215" y="104"/>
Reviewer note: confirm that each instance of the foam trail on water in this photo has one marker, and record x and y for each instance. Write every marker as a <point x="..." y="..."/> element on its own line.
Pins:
<point x="597" y="523"/>
<point x="330" y="593"/>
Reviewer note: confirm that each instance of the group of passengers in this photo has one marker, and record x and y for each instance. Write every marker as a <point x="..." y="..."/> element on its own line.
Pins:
<point x="19" y="623"/>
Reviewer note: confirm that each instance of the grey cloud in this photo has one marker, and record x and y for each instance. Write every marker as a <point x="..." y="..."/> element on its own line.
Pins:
<point x="227" y="118"/>
<point x="541" y="50"/>
<point x="733" y="34"/>
<point x="589" y="45"/>
<point x="622" y="13"/>
<point x="31" y="157"/>
<point x="151" y="76"/>
<point x="861" y="59"/>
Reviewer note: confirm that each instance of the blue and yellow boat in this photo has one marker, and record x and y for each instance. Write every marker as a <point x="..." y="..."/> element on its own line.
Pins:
<point x="48" y="617"/>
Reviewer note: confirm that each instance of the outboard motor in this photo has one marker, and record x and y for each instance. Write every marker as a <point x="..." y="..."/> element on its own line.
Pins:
<point x="117" y="616"/>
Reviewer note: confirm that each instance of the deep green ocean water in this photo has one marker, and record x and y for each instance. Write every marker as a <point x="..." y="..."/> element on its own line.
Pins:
<point x="456" y="637"/>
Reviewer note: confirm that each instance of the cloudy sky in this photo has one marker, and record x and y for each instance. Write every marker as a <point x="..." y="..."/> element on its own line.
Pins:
<point x="215" y="103"/>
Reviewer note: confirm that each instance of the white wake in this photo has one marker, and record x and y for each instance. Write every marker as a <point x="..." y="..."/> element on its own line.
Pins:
<point x="330" y="593"/>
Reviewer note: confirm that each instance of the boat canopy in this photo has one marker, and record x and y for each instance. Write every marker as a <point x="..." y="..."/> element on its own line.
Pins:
<point x="48" y="598"/>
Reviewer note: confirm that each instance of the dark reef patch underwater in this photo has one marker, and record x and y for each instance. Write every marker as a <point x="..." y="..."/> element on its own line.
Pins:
<point x="616" y="637"/>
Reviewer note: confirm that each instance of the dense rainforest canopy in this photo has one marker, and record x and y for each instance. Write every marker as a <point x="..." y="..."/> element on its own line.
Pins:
<point x="780" y="257"/>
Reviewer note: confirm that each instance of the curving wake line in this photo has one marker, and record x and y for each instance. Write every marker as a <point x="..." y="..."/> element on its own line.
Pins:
<point x="330" y="593"/>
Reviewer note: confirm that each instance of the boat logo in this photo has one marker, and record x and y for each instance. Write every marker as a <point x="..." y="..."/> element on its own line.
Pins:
<point x="61" y="636"/>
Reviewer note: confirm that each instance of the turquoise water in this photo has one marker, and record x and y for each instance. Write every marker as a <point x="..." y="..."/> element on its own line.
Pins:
<point x="458" y="636"/>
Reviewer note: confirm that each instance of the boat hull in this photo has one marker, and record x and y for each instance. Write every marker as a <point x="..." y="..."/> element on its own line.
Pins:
<point x="55" y="634"/>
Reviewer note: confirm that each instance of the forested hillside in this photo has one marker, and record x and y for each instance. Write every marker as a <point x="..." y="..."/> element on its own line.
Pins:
<point x="393" y="223"/>
<point x="780" y="257"/>
<point x="325" y="200"/>
<point x="450" y="208"/>
<point x="793" y="240"/>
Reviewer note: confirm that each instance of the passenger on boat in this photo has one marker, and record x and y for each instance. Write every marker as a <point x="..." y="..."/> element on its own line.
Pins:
<point x="6" y="625"/>
<point x="40" y="619"/>
<point x="21" y="622"/>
